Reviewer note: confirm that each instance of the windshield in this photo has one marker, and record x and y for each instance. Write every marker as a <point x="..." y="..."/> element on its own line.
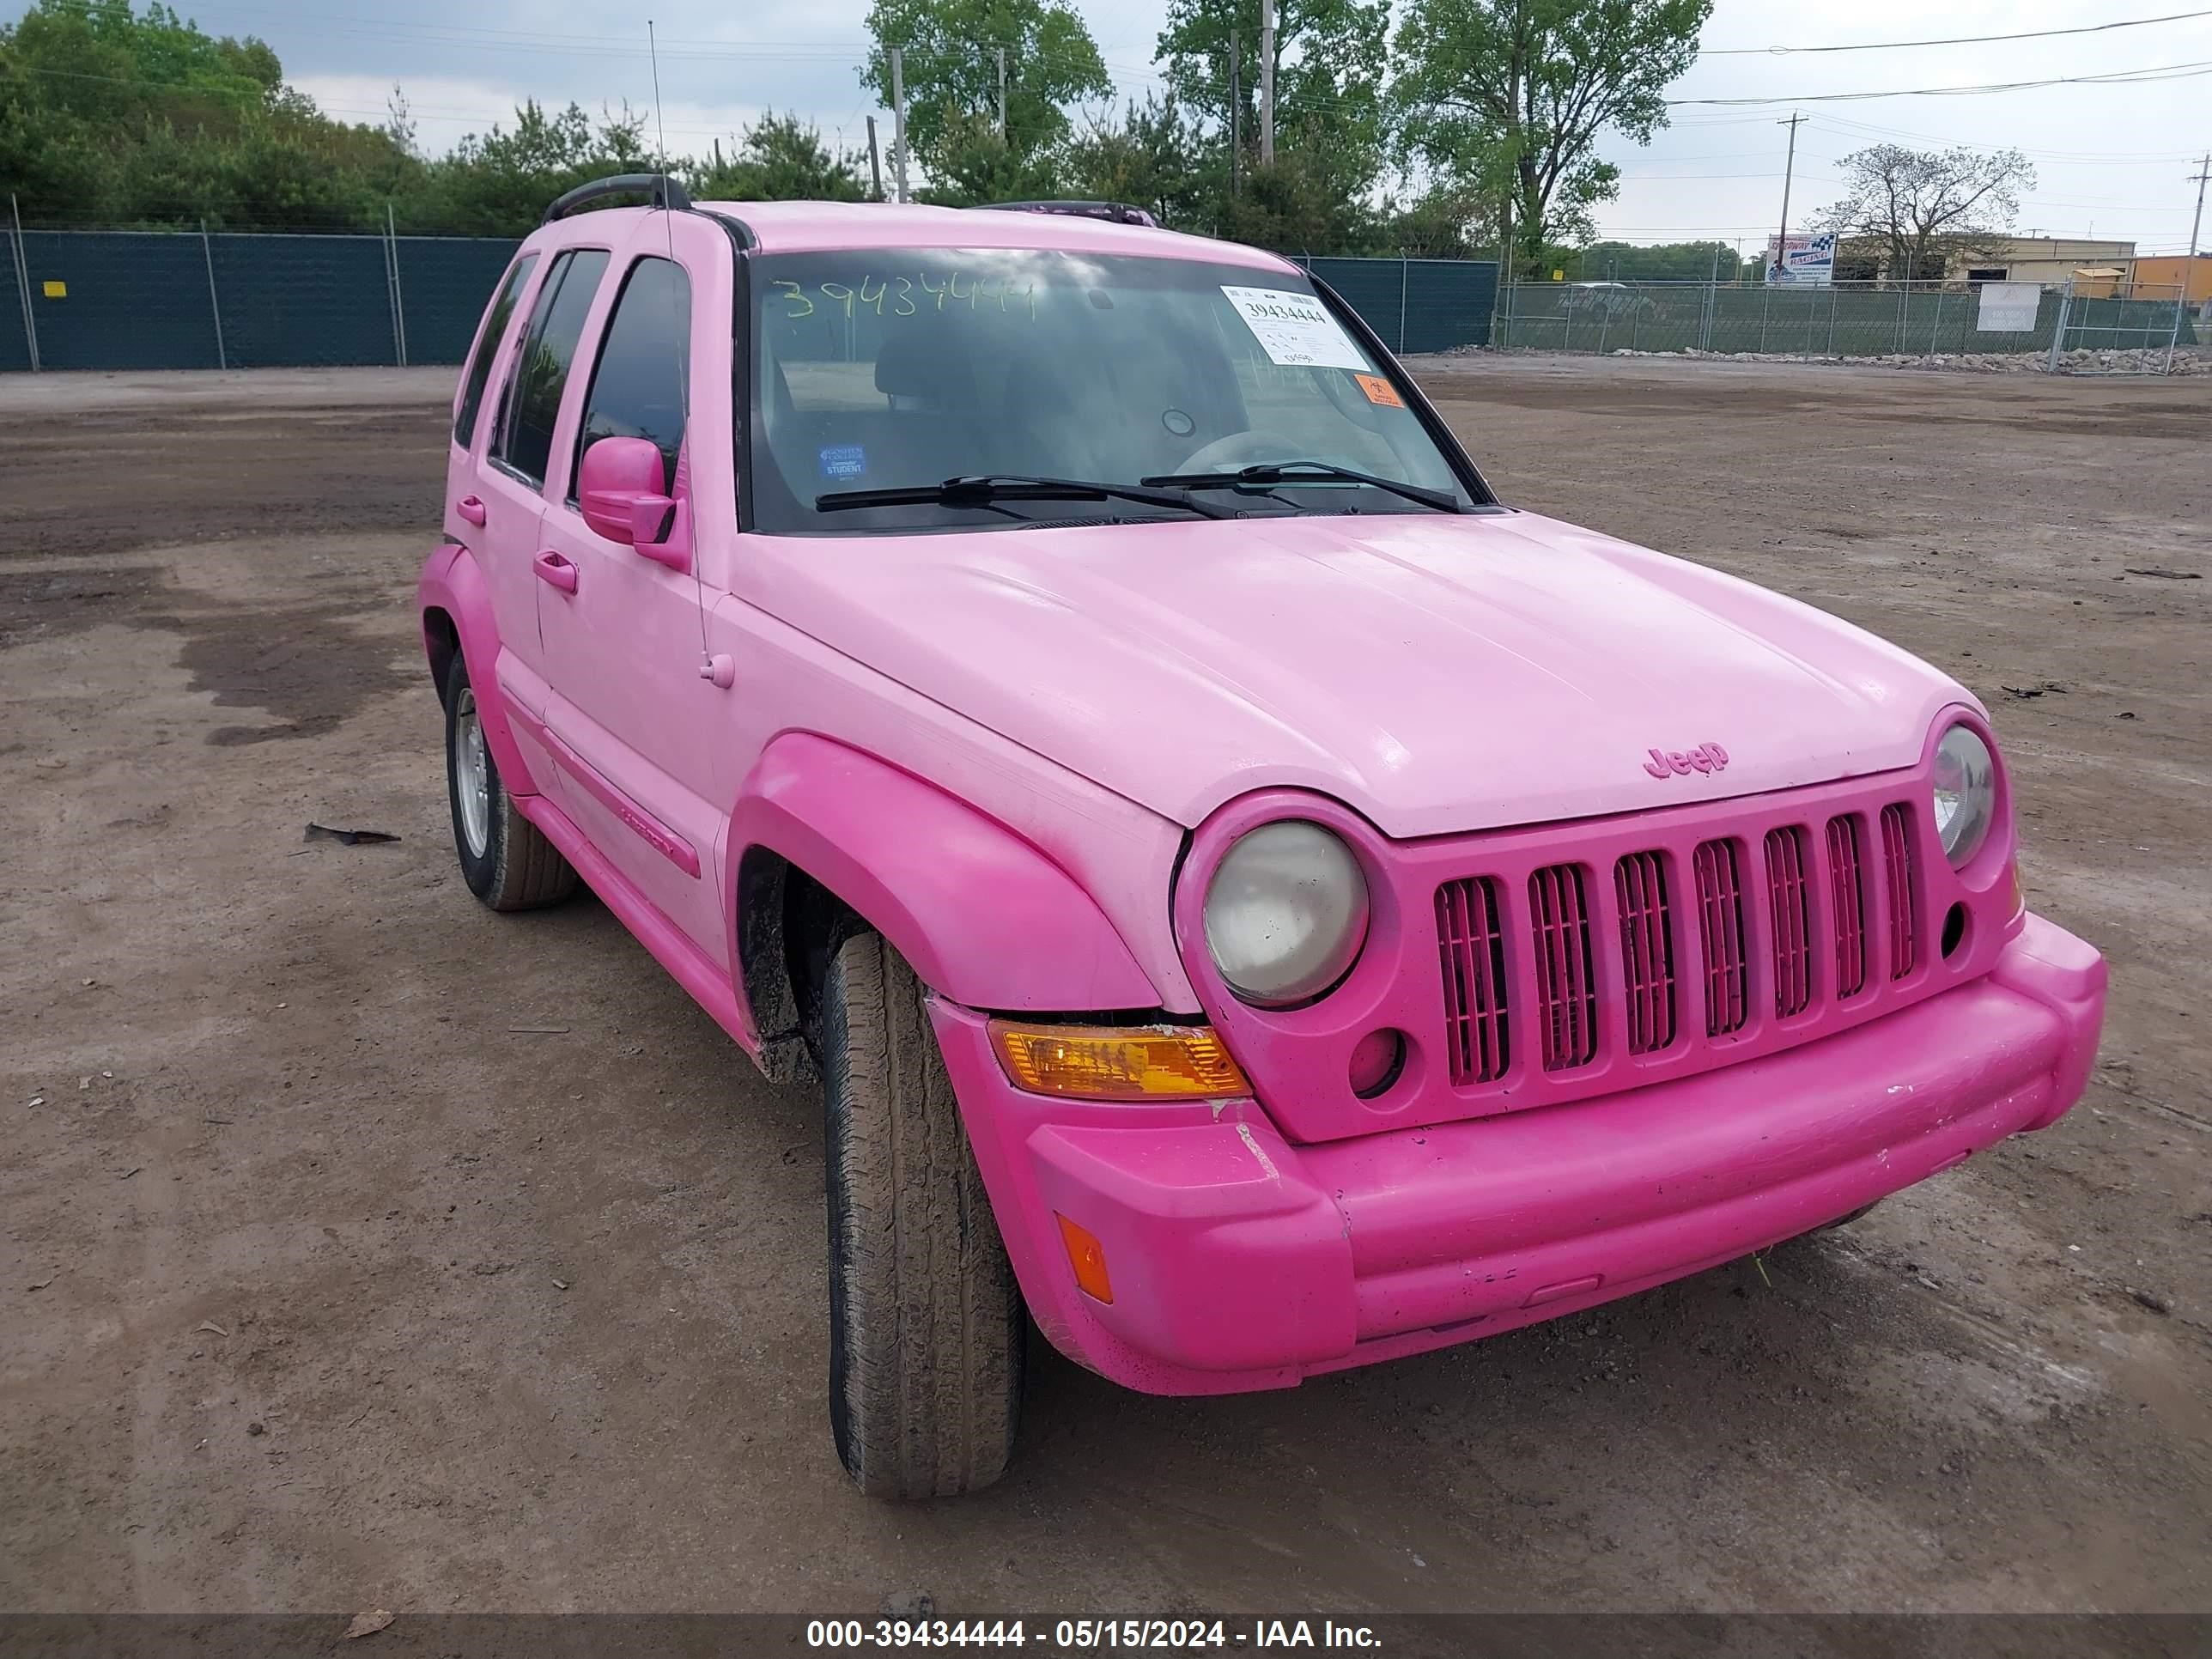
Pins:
<point x="895" y="370"/>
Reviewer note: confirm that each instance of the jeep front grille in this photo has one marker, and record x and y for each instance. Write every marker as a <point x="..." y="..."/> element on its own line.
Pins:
<point x="1618" y="967"/>
<point x="1473" y="947"/>
<point x="1647" y="951"/>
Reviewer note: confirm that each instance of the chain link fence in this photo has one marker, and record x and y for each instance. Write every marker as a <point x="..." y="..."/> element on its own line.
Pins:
<point x="2119" y="327"/>
<point x="2122" y="332"/>
<point x="1416" y="305"/>
<point x="129" y="300"/>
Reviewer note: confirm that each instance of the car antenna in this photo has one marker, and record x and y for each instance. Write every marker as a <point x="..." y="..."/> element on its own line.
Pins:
<point x="683" y="348"/>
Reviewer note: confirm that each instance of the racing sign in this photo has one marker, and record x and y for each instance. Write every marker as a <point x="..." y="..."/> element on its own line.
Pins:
<point x="1806" y="262"/>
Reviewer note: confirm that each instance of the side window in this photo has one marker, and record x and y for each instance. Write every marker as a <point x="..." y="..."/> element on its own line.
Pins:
<point x="541" y="370"/>
<point x="637" y="390"/>
<point x="494" y="331"/>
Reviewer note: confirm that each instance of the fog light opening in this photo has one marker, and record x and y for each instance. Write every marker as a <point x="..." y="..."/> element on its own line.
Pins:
<point x="1378" y="1062"/>
<point x="1954" y="930"/>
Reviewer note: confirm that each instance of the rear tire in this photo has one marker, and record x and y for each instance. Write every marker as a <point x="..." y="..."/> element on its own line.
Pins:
<point x="505" y="859"/>
<point x="925" y="1325"/>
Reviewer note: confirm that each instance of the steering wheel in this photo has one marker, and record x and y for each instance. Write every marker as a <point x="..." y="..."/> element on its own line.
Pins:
<point x="1245" y="449"/>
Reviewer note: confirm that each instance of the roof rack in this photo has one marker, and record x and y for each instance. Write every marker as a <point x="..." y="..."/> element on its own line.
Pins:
<point x="1120" y="212"/>
<point x="666" y="192"/>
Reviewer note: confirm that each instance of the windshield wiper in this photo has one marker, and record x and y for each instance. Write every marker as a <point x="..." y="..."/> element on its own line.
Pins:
<point x="1293" y="472"/>
<point x="986" y="489"/>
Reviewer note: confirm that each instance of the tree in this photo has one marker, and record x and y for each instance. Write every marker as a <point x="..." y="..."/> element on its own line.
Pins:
<point x="1446" y="220"/>
<point x="400" y="122"/>
<point x="781" y="158"/>
<point x="1297" y="206"/>
<point x="1509" y="96"/>
<point x="497" y="184"/>
<point x="1155" y="159"/>
<point x="967" y="164"/>
<point x="1329" y="67"/>
<point x="1921" y="208"/>
<point x="1662" y="262"/>
<point x="951" y="69"/>
<point x="111" y="115"/>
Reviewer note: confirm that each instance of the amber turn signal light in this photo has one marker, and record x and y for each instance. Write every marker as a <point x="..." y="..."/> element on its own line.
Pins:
<point x="1088" y="1257"/>
<point x="1118" y="1062"/>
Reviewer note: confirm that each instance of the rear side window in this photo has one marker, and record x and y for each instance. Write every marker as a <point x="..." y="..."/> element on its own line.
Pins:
<point x="541" y="371"/>
<point x="494" y="331"/>
<point x="637" y="390"/>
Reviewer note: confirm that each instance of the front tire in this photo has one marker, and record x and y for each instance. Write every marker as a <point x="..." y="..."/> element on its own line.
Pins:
<point x="505" y="859"/>
<point x="926" y="1322"/>
<point x="1795" y="1239"/>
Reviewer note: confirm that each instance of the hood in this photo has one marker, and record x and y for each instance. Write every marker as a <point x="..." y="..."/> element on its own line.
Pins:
<point x="1437" y="673"/>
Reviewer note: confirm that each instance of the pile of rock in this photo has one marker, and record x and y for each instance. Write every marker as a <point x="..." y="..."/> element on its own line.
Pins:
<point x="2142" y="360"/>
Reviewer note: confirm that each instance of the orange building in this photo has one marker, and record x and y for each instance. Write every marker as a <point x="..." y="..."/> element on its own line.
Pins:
<point x="2156" y="278"/>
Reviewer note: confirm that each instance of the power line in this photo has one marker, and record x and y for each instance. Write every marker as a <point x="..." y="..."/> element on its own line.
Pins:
<point x="1953" y="40"/>
<point x="2117" y="78"/>
<point x="1844" y="127"/>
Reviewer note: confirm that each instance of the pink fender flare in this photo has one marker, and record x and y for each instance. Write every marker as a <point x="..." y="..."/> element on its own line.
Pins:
<point x="451" y="582"/>
<point x="983" y="916"/>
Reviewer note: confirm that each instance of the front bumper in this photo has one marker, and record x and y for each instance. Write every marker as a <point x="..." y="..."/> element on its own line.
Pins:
<point x="1241" y="1261"/>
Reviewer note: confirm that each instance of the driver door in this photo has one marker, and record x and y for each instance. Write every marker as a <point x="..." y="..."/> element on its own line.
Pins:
<point x="640" y="736"/>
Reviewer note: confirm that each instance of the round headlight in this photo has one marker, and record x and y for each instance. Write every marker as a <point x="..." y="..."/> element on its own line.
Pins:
<point x="1285" y="913"/>
<point x="1966" y="791"/>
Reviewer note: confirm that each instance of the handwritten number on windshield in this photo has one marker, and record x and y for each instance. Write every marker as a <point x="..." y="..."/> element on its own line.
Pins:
<point x="899" y="291"/>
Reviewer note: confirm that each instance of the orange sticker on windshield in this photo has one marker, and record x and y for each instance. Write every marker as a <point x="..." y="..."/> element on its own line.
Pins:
<point x="1380" y="390"/>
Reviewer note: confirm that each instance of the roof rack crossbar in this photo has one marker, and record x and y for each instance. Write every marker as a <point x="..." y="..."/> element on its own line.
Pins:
<point x="1120" y="212"/>
<point x="666" y="192"/>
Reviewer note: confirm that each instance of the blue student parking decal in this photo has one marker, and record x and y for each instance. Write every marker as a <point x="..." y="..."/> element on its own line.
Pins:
<point x="843" y="461"/>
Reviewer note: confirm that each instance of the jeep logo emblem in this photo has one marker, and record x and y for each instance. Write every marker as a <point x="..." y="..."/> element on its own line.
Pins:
<point x="1680" y="762"/>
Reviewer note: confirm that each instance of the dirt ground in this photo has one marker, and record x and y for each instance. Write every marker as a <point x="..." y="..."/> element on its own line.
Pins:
<point x="329" y="1279"/>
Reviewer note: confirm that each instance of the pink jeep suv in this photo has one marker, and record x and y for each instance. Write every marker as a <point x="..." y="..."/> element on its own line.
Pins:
<point x="1253" y="901"/>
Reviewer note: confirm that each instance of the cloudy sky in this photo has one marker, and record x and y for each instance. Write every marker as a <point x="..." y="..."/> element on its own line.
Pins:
<point x="2111" y="158"/>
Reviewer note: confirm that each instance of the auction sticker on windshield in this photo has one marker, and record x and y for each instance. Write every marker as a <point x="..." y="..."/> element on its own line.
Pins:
<point x="1293" y="328"/>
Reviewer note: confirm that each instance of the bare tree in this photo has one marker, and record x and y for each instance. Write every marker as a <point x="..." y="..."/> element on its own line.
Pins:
<point x="1922" y="207"/>
<point x="400" y="122"/>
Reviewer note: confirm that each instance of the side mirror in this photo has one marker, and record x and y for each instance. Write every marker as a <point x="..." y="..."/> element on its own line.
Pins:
<point x="622" y="491"/>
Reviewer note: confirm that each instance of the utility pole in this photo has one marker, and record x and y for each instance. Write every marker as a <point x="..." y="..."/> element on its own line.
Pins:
<point x="875" y="160"/>
<point x="1267" y="83"/>
<point x="1002" y="94"/>
<point x="1789" y="173"/>
<point x="1236" y="115"/>
<point x="898" y="119"/>
<point x="2203" y="171"/>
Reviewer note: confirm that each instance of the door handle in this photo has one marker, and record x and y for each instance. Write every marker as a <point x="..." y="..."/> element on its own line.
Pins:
<point x="471" y="509"/>
<point x="553" y="568"/>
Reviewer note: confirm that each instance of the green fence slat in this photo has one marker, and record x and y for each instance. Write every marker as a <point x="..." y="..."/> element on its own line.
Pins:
<point x="14" y="344"/>
<point x="140" y="299"/>
<point x="127" y="301"/>
<point x="304" y="301"/>
<point x="447" y="282"/>
<point x="1818" y="321"/>
<point x="1417" y="305"/>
